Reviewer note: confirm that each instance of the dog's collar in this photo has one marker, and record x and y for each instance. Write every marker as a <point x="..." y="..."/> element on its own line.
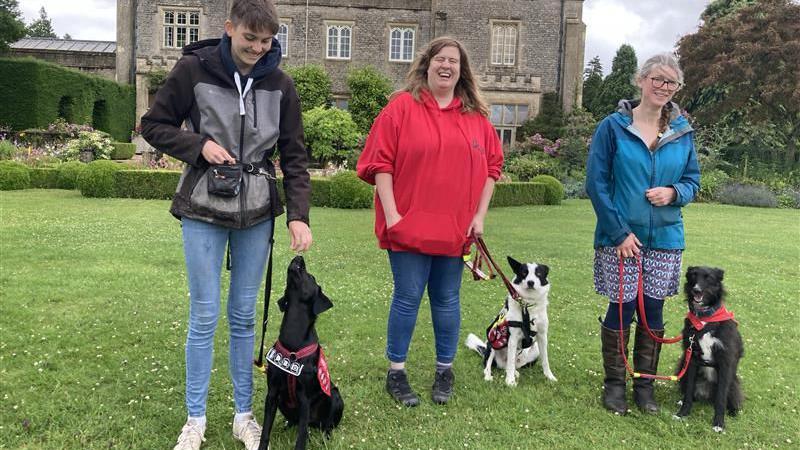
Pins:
<point x="705" y="312"/>
<point x="720" y="314"/>
<point x="289" y="361"/>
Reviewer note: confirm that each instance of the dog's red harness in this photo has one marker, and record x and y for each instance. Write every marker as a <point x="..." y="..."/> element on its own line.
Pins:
<point x="720" y="315"/>
<point x="290" y="362"/>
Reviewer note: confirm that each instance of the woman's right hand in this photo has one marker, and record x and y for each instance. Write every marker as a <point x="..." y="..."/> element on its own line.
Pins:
<point x="392" y="219"/>
<point x="629" y="247"/>
<point x="214" y="154"/>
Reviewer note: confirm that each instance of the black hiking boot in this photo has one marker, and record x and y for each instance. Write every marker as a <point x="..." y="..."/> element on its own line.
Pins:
<point x="442" y="388"/>
<point x="397" y="386"/>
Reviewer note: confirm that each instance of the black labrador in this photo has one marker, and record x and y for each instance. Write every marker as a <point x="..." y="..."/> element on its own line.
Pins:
<point x="298" y="382"/>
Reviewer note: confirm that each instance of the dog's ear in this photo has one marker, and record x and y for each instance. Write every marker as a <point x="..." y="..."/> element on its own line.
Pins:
<point x="545" y="270"/>
<point x="283" y="303"/>
<point x="515" y="265"/>
<point x="690" y="273"/>
<point x="321" y="303"/>
<point x="719" y="273"/>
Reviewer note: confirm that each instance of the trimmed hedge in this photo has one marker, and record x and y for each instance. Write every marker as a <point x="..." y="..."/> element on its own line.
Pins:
<point x="36" y="93"/>
<point x="97" y="179"/>
<point x="68" y="174"/>
<point x="347" y="191"/>
<point x="44" y="177"/>
<point x="555" y="190"/>
<point x="518" y="194"/>
<point x="14" y="175"/>
<point x="123" y="150"/>
<point x="155" y="184"/>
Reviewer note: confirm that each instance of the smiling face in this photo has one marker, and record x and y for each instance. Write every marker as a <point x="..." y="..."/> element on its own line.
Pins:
<point x="658" y="96"/>
<point x="444" y="70"/>
<point x="703" y="288"/>
<point x="247" y="46"/>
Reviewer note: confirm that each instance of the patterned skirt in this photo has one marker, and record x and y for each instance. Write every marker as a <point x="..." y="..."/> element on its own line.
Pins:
<point x="662" y="274"/>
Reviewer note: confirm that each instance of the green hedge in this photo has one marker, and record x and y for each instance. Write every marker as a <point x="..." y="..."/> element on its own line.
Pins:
<point x="518" y="194"/>
<point x="123" y="150"/>
<point x="36" y="93"/>
<point x="97" y="179"/>
<point x="68" y="174"/>
<point x="347" y="191"/>
<point x="555" y="190"/>
<point x="157" y="184"/>
<point x="44" y="177"/>
<point x="14" y="175"/>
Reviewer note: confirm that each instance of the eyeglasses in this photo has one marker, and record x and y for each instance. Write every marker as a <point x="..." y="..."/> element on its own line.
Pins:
<point x="669" y="85"/>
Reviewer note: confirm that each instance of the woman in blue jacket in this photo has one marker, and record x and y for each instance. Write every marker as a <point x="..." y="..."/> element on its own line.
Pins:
<point x="642" y="169"/>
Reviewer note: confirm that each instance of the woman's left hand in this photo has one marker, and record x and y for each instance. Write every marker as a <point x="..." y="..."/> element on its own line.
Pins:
<point x="475" y="227"/>
<point x="661" y="196"/>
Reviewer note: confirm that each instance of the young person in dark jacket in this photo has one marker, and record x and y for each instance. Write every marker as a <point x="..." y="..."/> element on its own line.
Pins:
<point x="642" y="170"/>
<point x="434" y="157"/>
<point x="238" y="106"/>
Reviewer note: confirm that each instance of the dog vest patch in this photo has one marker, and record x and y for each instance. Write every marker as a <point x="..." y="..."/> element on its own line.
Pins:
<point x="498" y="335"/>
<point x="322" y="374"/>
<point x="284" y="363"/>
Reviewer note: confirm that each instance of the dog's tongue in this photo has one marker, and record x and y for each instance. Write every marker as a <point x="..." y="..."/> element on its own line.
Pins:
<point x="698" y="298"/>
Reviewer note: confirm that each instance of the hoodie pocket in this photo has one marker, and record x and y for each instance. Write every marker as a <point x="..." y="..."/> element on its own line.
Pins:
<point x="428" y="233"/>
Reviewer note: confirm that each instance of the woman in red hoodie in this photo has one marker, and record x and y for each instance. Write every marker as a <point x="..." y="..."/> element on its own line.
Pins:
<point x="434" y="157"/>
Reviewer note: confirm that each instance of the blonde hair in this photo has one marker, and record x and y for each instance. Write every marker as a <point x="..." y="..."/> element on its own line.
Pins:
<point x="466" y="88"/>
<point x="662" y="60"/>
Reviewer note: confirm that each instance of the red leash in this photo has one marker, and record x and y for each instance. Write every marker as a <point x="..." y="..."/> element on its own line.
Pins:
<point x="483" y="252"/>
<point x="640" y="287"/>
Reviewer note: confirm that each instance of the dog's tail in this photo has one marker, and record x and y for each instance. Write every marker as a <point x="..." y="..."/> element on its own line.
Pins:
<point x="475" y="343"/>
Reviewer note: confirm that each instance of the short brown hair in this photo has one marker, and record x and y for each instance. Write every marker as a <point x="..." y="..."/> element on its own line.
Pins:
<point x="466" y="87"/>
<point x="256" y="15"/>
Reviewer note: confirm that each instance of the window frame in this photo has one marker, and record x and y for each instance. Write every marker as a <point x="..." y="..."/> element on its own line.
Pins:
<point x="502" y="124"/>
<point x="500" y="55"/>
<point x="340" y="26"/>
<point x="284" y="23"/>
<point x="184" y="25"/>
<point x="403" y="45"/>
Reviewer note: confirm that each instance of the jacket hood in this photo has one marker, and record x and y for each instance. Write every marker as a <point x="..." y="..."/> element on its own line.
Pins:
<point x="430" y="101"/>
<point x="205" y="48"/>
<point x="676" y="119"/>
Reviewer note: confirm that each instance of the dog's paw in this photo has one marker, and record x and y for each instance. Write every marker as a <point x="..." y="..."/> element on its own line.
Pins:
<point x="717" y="429"/>
<point x="550" y="376"/>
<point x="679" y="402"/>
<point x="677" y="417"/>
<point x="488" y="377"/>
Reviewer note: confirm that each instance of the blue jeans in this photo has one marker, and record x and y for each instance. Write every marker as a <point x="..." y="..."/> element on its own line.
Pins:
<point x="204" y="250"/>
<point x="411" y="273"/>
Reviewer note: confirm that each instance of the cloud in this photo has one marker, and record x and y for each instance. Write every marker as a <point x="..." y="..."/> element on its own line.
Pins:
<point x="81" y="19"/>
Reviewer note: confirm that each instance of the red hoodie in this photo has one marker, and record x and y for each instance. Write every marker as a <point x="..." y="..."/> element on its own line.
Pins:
<point x="439" y="159"/>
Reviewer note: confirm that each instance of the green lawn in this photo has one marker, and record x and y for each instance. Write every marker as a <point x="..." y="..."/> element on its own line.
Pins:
<point x="93" y="318"/>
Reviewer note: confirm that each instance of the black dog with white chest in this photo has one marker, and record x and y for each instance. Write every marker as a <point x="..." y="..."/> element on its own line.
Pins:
<point x="297" y="374"/>
<point x="716" y="345"/>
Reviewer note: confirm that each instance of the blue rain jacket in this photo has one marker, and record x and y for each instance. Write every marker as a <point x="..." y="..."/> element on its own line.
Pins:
<point x="621" y="168"/>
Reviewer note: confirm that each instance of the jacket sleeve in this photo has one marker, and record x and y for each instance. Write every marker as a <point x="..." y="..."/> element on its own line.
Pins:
<point x="689" y="185"/>
<point x="380" y="148"/>
<point x="600" y="184"/>
<point x="294" y="157"/>
<point x="161" y="125"/>
<point x="494" y="152"/>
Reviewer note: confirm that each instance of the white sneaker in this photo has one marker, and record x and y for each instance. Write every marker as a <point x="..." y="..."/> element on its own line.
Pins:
<point x="247" y="431"/>
<point x="191" y="436"/>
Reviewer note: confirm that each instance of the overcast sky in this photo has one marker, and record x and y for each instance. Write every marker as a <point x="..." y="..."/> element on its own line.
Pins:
<point x="649" y="26"/>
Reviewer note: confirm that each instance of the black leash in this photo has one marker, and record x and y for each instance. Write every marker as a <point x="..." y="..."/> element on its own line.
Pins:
<point x="267" y="294"/>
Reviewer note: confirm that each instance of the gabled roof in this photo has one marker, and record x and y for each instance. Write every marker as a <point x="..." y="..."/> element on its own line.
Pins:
<point x="64" y="45"/>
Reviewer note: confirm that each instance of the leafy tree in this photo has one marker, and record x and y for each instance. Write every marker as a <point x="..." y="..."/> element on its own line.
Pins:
<point x="722" y="8"/>
<point x="548" y="123"/>
<point x="369" y="90"/>
<point x="742" y="72"/>
<point x="41" y="27"/>
<point x="330" y="133"/>
<point x="592" y="82"/>
<point x="618" y="85"/>
<point x="313" y="85"/>
<point x="12" y="28"/>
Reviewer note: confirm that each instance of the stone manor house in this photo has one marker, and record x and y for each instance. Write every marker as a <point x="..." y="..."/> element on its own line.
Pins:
<point x="519" y="49"/>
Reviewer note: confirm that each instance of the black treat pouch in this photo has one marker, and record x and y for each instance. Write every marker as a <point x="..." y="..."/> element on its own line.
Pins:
<point x="225" y="180"/>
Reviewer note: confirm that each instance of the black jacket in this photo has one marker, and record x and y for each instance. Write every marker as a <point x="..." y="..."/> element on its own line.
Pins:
<point x="201" y="91"/>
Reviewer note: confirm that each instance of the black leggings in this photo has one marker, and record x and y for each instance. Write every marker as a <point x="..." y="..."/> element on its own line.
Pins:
<point x="653" y="309"/>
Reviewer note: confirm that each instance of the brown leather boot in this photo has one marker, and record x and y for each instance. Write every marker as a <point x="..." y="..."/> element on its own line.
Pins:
<point x="645" y="360"/>
<point x="614" y="366"/>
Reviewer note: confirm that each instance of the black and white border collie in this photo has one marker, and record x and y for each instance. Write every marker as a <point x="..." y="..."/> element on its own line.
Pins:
<point x="530" y="281"/>
<point x="717" y="348"/>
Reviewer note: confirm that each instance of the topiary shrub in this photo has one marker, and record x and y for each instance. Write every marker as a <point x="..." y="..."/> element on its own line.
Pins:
<point x="347" y="191"/>
<point x="44" y="178"/>
<point x="320" y="191"/>
<point x="68" y="173"/>
<point x="122" y="150"/>
<point x="751" y="194"/>
<point x="154" y="184"/>
<point x="7" y="150"/>
<point x="13" y="176"/>
<point x="555" y="190"/>
<point x="97" y="179"/>
<point x="518" y="194"/>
